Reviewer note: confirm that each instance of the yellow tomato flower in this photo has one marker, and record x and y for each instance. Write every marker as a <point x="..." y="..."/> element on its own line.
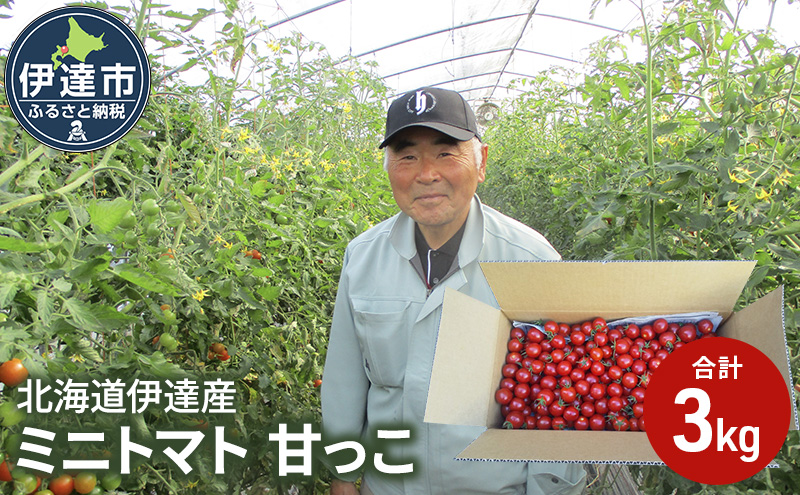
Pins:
<point x="732" y="207"/>
<point x="763" y="194"/>
<point x="783" y="178"/>
<point x="200" y="295"/>
<point x="737" y="179"/>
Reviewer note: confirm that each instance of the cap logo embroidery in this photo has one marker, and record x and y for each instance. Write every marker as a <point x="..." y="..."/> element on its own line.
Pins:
<point x="423" y="102"/>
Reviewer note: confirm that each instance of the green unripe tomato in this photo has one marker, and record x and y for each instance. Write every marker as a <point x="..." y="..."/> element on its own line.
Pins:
<point x="111" y="481"/>
<point x="128" y="220"/>
<point x="173" y="206"/>
<point x="10" y="415"/>
<point x="150" y="208"/>
<point x="27" y="481"/>
<point x="195" y="189"/>
<point x="169" y="316"/>
<point x="13" y="443"/>
<point x="168" y="342"/>
<point x="130" y="238"/>
<point x="153" y="230"/>
<point x="281" y="219"/>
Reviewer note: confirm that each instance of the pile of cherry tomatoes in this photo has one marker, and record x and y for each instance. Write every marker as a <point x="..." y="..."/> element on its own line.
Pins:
<point x="586" y="376"/>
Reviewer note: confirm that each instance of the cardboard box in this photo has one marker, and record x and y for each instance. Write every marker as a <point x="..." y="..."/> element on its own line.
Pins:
<point x="473" y="332"/>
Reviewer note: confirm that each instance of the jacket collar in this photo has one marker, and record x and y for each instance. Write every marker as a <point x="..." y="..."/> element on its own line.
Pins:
<point x="402" y="235"/>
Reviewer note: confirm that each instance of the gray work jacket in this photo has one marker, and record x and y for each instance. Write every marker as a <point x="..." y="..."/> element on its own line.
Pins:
<point x="381" y="349"/>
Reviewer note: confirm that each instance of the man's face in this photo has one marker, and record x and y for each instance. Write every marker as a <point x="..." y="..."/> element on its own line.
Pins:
<point x="434" y="178"/>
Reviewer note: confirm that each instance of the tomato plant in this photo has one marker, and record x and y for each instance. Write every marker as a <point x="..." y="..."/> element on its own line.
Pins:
<point x="136" y="268"/>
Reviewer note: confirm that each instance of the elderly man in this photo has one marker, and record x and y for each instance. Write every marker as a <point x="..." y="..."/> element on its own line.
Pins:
<point x="389" y="303"/>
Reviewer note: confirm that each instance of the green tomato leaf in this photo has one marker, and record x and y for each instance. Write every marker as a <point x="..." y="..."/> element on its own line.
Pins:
<point x="7" y="293"/>
<point x="727" y="41"/>
<point x="85" y="271"/>
<point x="78" y="172"/>
<point x="144" y="280"/>
<point x="83" y="315"/>
<point x="139" y="147"/>
<point x="191" y="208"/>
<point x="262" y="272"/>
<point x="666" y="128"/>
<point x="591" y="224"/>
<point x="158" y="365"/>
<point x="269" y="293"/>
<point x="223" y="288"/>
<point x="731" y="142"/>
<point x="246" y="296"/>
<point x="792" y="228"/>
<point x="20" y="246"/>
<point x="84" y="348"/>
<point x="62" y="285"/>
<point x="44" y="307"/>
<point x="105" y="215"/>
<point x="323" y="222"/>
<point x="277" y="199"/>
<point x="259" y="189"/>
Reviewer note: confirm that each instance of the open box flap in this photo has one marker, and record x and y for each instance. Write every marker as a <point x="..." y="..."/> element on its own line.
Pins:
<point x="528" y="445"/>
<point x="761" y="325"/>
<point x="572" y="291"/>
<point x="464" y="378"/>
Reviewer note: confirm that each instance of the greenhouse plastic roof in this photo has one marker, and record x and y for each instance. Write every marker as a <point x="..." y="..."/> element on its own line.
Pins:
<point x="476" y="47"/>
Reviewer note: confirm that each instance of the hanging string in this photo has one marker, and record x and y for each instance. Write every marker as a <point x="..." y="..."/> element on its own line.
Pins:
<point x="350" y="53"/>
<point x="452" y="70"/>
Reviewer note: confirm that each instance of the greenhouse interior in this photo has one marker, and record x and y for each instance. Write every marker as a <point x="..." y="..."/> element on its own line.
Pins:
<point x="209" y="242"/>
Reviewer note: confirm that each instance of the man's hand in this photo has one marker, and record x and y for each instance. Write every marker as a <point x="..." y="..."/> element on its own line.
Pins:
<point x="339" y="487"/>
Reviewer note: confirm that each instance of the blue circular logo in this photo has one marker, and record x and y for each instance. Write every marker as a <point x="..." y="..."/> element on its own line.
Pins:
<point x="77" y="79"/>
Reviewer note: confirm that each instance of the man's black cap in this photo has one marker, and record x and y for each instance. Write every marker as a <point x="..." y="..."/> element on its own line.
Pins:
<point x="439" y="109"/>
